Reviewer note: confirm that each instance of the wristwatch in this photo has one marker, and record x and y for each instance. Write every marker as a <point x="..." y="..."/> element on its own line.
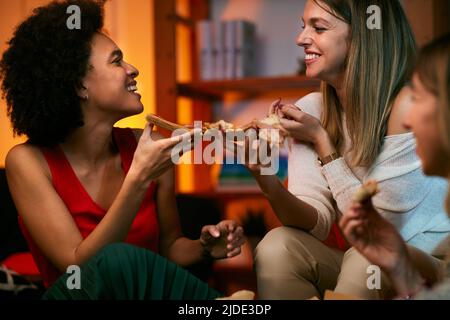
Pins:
<point x="328" y="159"/>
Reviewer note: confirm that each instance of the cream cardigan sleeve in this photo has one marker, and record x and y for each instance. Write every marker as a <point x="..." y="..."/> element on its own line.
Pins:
<point x="305" y="179"/>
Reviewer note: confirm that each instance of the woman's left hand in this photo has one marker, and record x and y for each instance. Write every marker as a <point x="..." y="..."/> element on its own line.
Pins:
<point x="299" y="124"/>
<point x="305" y="128"/>
<point x="223" y="240"/>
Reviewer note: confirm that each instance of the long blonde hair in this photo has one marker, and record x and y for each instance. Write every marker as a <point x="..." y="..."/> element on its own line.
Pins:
<point x="378" y="65"/>
<point x="433" y="69"/>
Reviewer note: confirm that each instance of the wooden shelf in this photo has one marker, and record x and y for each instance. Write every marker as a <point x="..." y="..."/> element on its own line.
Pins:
<point x="227" y="195"/>
<point x="249" y="86"/>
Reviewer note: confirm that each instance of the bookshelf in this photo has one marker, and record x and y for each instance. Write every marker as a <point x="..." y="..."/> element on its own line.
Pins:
<point x="202" y="94"/>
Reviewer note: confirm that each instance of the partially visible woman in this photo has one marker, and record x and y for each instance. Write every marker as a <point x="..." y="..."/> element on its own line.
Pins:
<point x="350" y="133"/>
<point x="429" y="119"/>
<point x="82" y="185"/>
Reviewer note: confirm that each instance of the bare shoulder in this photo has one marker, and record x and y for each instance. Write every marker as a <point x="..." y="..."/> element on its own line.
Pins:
<point x="400" y="109"/>
<point x="25" y="157"/>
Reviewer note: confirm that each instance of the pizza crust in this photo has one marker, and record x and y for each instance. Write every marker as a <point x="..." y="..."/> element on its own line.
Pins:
<point x="366" y="191"/>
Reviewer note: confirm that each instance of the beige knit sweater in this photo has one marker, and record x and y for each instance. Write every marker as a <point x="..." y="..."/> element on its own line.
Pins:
<point x="407" y="198"/>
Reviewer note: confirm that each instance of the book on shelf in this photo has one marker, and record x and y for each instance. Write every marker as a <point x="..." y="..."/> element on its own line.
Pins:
<point x="230" y="49"/>
<point x="226" y="49"/>
<point x="219" y="50"/>
<point x="244" y="49"/>
<point x="205" y="49"/>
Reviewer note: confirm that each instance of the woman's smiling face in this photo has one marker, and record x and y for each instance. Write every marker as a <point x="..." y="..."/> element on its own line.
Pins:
<point x="110" y="83"/>
<point x="325" y="39"/>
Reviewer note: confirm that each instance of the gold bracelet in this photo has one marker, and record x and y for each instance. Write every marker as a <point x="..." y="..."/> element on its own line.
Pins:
<point x="328" y="159"/>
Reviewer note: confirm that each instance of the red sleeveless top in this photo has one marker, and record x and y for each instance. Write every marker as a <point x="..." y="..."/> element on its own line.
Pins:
<point x="86" y="213"/>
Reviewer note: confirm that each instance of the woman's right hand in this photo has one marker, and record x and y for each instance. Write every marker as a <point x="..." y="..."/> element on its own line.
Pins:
<point x="153" y="156"/>
<point x="380" y="242"/>
<point x="376" y="238"/>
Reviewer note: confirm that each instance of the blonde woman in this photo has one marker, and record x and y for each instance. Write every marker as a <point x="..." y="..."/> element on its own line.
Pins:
<point x="88" y="193"/>
<point x="429" y="119"/>
<point x="347" y="134"/>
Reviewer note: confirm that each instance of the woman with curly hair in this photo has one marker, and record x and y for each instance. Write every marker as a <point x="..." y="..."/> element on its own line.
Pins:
<point x="429" y="119"/>
<point x="82" y="185"/>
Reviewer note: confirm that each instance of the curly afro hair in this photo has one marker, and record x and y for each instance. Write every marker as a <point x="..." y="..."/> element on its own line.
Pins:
<point x="43" y="68"/>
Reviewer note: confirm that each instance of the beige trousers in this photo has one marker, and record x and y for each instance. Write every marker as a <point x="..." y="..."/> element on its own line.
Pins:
<point x="292" y="264"/>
